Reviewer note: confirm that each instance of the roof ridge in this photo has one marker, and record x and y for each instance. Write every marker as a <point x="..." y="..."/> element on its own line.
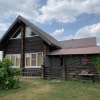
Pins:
<point x="77" y="39"/>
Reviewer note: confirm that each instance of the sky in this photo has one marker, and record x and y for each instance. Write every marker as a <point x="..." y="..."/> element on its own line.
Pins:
<point x="63" y="19"/>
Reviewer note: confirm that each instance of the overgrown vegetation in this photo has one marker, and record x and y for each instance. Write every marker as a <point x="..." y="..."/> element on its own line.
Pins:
<point x="8" y="75"/>
<point x="95" y="61"/>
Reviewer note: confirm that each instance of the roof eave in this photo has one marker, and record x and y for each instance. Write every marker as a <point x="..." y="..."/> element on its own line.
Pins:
<point x="9" y="29"/>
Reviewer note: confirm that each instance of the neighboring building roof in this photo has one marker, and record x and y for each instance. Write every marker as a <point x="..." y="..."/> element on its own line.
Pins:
<point x="76" y="43"/>
<point x="46" y="37"/>
<point x="75" y="51"/>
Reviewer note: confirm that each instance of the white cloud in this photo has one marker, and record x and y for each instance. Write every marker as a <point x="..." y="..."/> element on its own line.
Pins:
<point x="11" y="9"/>
<point x="3" y="28"/>
<point x="57" y="33"/>
<point x="26" y="8"/>
<point x="64" y="11"/>
<point x="87" y="31"/>
<point x="67" y="11"/>
<point x="98" y="44"/>
<point x="69" y="37"/>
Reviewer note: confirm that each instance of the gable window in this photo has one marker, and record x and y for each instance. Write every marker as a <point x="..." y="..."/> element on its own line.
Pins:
<point x="17" y="34"/>
<point x="30" y="33"/>
<point x="33" y="60"/>
<point x="15" y="59"/>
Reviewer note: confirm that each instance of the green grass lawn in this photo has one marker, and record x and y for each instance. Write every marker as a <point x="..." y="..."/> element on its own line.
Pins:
<point x="39" y="89"/>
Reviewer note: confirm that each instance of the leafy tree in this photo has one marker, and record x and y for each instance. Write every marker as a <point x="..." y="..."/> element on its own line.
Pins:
<point x="8" y="75"/>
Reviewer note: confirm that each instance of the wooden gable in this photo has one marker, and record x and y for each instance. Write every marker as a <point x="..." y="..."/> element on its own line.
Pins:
<point x="19" y="22"/>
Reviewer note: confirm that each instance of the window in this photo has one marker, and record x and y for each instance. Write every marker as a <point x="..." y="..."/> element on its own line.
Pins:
<point x="30" y="33"/>
<point x="40" y="59"/>
<point x="27" y="59"/>
<point x="17" y="34"/>
<point x="33" y="60"/>
<point x="15" y="59"/>
<point x="8" y="56"/>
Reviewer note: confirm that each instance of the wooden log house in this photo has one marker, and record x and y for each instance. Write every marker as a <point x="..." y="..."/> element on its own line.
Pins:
<point x="26" y="45"/>
<point x="37" y="52"/>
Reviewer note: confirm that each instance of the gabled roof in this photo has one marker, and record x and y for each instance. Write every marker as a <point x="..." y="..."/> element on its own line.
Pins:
<point x="46" y="37"/>
<point x="77" y="43"/>
<point x="76" y="51"/>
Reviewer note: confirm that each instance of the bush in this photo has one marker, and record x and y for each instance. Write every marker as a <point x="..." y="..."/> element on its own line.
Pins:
<point x="8" y="75"/>
<point x="95" y="61"/>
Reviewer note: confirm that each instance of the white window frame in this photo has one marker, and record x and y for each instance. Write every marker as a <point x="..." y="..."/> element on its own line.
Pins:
<point x="15" y="60"/>
<point x="31" y="60"/>
<point x="31" y="30"/>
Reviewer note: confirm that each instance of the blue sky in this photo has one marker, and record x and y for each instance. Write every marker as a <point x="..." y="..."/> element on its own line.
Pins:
<point x="63" y="19"/>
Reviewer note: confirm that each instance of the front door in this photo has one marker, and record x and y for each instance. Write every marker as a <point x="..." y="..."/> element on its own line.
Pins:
<point x="56" y="69"/>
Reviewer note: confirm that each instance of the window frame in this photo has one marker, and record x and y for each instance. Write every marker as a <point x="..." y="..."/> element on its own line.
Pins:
<point x="31" y="30"/>
<point x="31" y="60"/>
<point x="13" y="66"/>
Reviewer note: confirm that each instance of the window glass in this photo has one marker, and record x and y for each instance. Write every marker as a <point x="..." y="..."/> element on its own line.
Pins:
<point x="13" y="59"/>
<point x="19" y="35"/>
<point x="40" y="60"/>
<point x="8" y="56"/>
<point x="33" y="60"/>
<point x="17" y="60"/>
<point x="27" y="59"/>
<point x="29" y="32"/>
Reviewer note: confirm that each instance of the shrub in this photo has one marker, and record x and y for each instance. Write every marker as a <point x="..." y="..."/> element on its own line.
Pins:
<point x="8" y="75"/>
<point x="95" y="61"/>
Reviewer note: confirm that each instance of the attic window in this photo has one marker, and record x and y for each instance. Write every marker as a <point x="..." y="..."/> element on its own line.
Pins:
<point x="17" y="34"/>
<point x="30" y="33"/>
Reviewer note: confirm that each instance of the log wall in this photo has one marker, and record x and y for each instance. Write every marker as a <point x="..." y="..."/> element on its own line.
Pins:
<point x="31" y="45"/>
<point x="71" y="68"/>
<point x="13" y="46"/>
<point x="34" y="71"/>
<point x="74" y="67"/>
<point x="34" y="44"/>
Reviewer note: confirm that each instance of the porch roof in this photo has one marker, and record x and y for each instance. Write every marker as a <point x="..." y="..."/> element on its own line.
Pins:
<point x="75" y="51"/>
